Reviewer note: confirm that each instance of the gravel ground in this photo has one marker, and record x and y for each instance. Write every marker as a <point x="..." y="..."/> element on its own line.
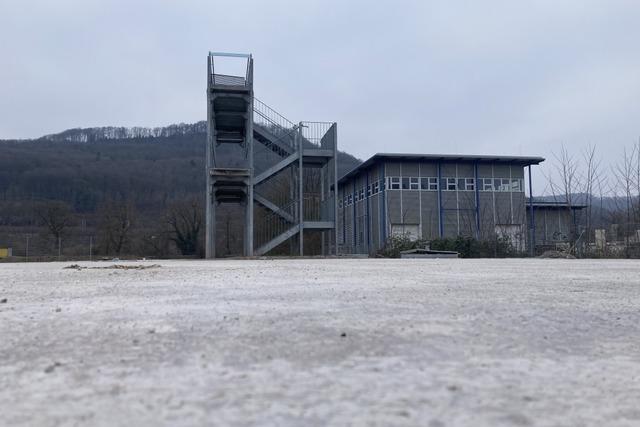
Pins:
<point x="315" y="342"/>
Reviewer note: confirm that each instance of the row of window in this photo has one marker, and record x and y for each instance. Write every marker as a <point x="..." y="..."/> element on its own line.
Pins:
<point x="371" y="190"/>
<point x="455" y="184"/>
<point x="431" y="184"/>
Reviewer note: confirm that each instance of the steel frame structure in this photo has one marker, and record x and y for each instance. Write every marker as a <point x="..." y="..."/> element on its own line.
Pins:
<point x="284" y="174"/>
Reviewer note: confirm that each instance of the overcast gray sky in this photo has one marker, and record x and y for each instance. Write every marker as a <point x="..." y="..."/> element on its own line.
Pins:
<point x="499" y="77"/>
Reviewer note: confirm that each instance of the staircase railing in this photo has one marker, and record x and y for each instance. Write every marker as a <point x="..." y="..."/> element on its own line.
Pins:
<point x="273" y="224"/>
<point x="281" y="127"/>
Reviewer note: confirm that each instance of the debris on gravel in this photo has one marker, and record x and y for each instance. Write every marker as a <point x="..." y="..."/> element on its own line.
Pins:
<point x="556" y="254"/>
<point x="113" y="267"/>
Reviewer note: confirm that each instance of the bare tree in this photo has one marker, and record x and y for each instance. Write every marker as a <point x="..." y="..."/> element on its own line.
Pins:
<point x="154" y="239"/>
<point x="635" y="184"/>
<point x="185" y="221"/>
<point x="56" y="216"/>
<point x="624" y="172"/>
<point x="564" y="181"/>
<point x="116" y="225"/>
<point x="589" y="182"/>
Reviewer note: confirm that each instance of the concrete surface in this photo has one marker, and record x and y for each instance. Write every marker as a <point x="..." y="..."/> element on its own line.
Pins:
<point x="316" y="342"/>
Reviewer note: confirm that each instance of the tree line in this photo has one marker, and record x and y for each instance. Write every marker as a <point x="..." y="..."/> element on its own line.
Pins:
<point x="608" y="194"/>
<point x="129" y="197"/>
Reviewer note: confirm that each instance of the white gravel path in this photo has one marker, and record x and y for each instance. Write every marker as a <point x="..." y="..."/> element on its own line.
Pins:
<point x="316" y="342"/>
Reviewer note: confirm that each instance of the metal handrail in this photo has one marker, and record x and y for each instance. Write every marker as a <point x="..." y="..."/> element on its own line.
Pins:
<point x="282" y="128"/>
<point x="271" y="114"/>
<point x="273" y="224"/>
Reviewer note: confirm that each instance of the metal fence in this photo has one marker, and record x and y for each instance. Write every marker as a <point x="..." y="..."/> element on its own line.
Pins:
<point x="40" y="247"/>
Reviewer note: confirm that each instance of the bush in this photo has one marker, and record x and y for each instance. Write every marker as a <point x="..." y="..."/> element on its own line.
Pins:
<point x="397" y="244"/>
<point x="467" y="247"/>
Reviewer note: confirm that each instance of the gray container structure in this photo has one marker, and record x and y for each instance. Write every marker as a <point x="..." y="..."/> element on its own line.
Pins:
<point x="426" y="196"/>
<point x="554" y="221"/>
<point x="284" y="175"/>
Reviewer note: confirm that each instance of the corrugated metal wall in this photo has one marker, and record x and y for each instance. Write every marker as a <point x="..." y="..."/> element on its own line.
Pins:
<point x="371" y="217"/>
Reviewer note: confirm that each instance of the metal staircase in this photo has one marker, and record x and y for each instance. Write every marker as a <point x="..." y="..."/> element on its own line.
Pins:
<point x="284" y="174"/>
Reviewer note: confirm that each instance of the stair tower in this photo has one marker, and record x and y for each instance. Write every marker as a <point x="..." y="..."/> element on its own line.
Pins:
<point x="284" y="174"/>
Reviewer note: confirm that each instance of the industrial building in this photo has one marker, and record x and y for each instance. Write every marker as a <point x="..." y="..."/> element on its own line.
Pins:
<point x="282" y="178"/>
<point x="433" y="196"/>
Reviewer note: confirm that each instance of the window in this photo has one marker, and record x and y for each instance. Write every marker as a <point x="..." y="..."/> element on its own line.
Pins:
<point x="376" y="187"/>
<point x="451" y="184"/>
<point x="362" y="194"/>
<point x="340" y="204"/>
<point x="368" y="190"/>
<point x="516" y="185"/>
<point x="414" y="183"/>
<point x="430" y="184"/>
<point x="405" y="183"/>
<point x="500" y="184"/>
<point x="470" y="184"/>
<point x="433" y="184"/>
<point x="350" y="199"/>
<point x="394" y="183"/>
<point x="488" y="184"/>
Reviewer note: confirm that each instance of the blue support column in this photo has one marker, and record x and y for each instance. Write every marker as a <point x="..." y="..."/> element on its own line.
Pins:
<point x="440" y="212"/>
<point x="477" y="188"/>
<point x="366" y="195"/>
<point x="344" y="216"/>
<point x="532" y="225"/>
<point x="355" y="226"/>
<point x="383" y="207"/>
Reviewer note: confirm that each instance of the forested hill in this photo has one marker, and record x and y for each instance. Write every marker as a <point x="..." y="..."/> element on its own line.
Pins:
<point x="84" y="167"/>
<point x="197" y="130"/>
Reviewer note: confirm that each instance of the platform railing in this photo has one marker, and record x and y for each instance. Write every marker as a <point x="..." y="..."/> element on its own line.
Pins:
<point x="317" y="209"/>
<point x="218" y="79"/>
<point x="319" y="134"/>
<point x="227" y="80"/>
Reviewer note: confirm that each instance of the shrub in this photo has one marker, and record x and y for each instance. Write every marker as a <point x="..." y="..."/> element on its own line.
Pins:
<point x="467" y="247"/>
<point x="397" y="244"/>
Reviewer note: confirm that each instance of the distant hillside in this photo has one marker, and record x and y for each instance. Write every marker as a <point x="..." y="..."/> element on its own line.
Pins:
<point x="85" y="167"/>
<point x="118" y="133"/>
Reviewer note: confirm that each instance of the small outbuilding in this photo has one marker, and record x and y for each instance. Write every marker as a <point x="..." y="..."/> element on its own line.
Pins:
<point x="553" y="221"/>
